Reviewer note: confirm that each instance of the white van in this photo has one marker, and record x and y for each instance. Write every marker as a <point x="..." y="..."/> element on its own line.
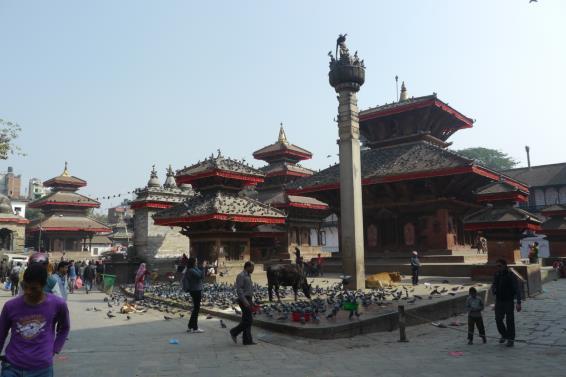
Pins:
<point x="11" y="260"/>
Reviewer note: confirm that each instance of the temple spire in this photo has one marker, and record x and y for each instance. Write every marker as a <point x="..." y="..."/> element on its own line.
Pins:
<point x="153" y="179"/>
<point x="404" y="95"/>
<point x="282" y="139"/>
<point x="66" y="171"/>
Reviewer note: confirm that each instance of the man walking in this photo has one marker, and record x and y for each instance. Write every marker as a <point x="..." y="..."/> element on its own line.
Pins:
<point x="244" y="289"/>
<point x="415" y="266"/>
<point x="506" y="290"/>
<point x="88" y="277"/>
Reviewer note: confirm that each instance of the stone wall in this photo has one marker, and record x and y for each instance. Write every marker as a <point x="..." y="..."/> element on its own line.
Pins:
<point x="156" y="243"/>
<point x="18" y="234"/>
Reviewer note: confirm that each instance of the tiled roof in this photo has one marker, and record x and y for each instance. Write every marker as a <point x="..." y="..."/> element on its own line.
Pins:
<point x="504" y="214"/>
<point x="75" y="223"/>
<point x="162" y="194"/>
<point x="555" y="223"/>
<point x="12" y="218"/>
<point x="276" y="168"/>
<point x="219" y="163"/>
<point x="101" y="239"/>
<point x="408" y="101"/>
<point x="210" y="203"/>
<point x="400" y="159"/>
<point x="65" y="180"/>
<point x="554" y="208"/>
<point x="542" y="175"/>
<point x="497" y="188"/>
<point x="65" y="197"/>
<point x="282" y="198"/>
<point x="280" y="148"/>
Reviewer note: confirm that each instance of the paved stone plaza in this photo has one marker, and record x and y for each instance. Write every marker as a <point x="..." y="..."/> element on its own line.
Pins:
<point x="140" y="347"/>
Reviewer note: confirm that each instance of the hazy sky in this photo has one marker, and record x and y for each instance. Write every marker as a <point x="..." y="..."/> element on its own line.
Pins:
<point x="116" y="86"/>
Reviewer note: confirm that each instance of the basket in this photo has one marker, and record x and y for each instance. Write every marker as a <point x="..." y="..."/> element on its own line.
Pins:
<point x="351" y="306"/>
<point x="296" y="316"/>
<point x="108" y="282"/>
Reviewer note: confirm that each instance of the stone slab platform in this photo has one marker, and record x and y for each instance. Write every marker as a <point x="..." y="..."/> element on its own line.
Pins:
<point x="384" y="319"/>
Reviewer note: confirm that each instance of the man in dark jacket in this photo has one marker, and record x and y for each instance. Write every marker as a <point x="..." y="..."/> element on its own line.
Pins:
<point x="192" y="283"/>
<point x="88" y="276"/>
<point x="505" y="289"/>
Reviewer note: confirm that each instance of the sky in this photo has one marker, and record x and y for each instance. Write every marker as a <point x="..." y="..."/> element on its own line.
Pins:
<point x="114" y="87"/>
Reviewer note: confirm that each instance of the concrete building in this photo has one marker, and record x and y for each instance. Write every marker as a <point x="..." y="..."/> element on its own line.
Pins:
<point x="10" y="184"/>
<point x="36" y="189"/>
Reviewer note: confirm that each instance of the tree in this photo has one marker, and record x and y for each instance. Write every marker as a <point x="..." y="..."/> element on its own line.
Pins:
<point x="98" y="216"/>
<point x="9" y="131"/>
<point x="33" y="214"/>
<point x="490" y="158"/>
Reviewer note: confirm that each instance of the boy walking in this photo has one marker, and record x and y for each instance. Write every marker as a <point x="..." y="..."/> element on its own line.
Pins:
<point x="39" y="325"/>
<point x="474" y="305"/>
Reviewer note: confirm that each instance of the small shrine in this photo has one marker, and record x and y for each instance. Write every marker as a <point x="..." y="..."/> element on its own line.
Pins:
<point x="304" y="215"/>
<point x="501" y="222"/>
<point x="218" y="219"/>
<point x="65" y="225"/>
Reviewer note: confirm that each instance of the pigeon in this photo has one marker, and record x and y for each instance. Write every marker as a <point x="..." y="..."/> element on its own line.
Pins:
<point x="110" y="315"/>
<point x="208" y="316"/>
<point x="167" y="318"/>
<point x="128" y="318"/>
<point x="96" y="309"/>
<point x="222" y="324"/>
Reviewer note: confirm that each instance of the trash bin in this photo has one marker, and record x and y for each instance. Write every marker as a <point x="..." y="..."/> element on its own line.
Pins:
<point x="108" y="283"/>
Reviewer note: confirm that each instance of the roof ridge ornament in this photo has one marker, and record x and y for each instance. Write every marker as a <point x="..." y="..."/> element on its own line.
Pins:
<point x="404" y="95"/>
<point x="282" y="139"/>
<point x="66" y="171"/>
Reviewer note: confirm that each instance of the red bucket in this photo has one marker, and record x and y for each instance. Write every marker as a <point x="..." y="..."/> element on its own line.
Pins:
<point x="296" y="316"/>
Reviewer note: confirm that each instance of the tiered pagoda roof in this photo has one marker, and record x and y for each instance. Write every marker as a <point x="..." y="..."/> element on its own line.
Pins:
<point x="403" y="162"/>
<point x="224" y="206"/>
<point x="218" y="168"/>
<point x="219" y="179"/>
<point x="501" y="192"/>
<point x="421" y="118"/>
<point x="66" y="210"/>
<point x="501" y="218"/>
<point x="556" y="222"/>
<point x="65" y="181"/>
<point x="282" y="168"/>
<point x="154" y="195"/>
<point x="282" y="150"/>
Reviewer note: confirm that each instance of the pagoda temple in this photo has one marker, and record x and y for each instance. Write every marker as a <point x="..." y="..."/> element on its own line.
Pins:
<point x="555" y="229"/>
<point x="304" y="215"/>
<point x="156" y="244"/>
<point x="219" y="219"/>
<point x="502" y="223"/>
<point x="12" y="227"/>
<point x="416" y="192"/>
<point x="65" y="226"/>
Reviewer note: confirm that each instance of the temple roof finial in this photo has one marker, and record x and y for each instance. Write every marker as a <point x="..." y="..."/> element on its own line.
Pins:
<point x="66" y="171"/>
<point x="282" y="139"/>
<point x="153" y="179"/>
<point x="404" y="95"/>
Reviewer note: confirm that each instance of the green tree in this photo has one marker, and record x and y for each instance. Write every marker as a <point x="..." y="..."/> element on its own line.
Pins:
<point x="490" y="158"/>
<point x="33" y="214"/>
<point x="98" y="216"/>
<point x="9" y="131"/>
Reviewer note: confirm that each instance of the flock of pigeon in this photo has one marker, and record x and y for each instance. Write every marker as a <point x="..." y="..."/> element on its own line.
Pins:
<point x="326" y="302"/>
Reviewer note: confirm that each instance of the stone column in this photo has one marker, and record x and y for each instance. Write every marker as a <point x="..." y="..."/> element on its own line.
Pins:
<point x="347" y="75"/>
<point x="351" y="214"/>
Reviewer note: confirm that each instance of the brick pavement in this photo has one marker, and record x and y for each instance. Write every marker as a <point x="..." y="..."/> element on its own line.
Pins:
<point x="140" y="347"/>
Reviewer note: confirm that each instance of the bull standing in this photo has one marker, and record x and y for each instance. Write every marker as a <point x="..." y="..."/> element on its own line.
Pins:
<point x="287" y="275"/>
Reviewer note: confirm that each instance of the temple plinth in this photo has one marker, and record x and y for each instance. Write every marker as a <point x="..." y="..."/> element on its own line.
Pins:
<point x="346" y="76"/>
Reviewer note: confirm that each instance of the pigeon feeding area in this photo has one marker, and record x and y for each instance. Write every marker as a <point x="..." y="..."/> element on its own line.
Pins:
<point x="345" y="313"/>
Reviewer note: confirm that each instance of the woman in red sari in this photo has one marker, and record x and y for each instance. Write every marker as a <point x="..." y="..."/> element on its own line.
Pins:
<point x="139" y="287"/>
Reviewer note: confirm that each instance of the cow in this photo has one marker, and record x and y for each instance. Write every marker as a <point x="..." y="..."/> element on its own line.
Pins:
<point x="287" y="275"/>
